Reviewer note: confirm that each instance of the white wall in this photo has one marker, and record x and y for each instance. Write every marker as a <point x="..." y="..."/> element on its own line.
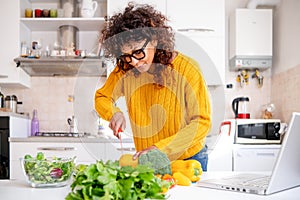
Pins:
<point x="286" y="72"/>
<point x="286" y="36"/>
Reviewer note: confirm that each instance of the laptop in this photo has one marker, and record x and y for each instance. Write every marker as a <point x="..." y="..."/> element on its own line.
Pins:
<point x="285" y="173"/>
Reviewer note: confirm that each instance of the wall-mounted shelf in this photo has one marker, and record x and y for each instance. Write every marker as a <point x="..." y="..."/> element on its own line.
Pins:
<point x="52" y="24"/>
<point x="62" y="66"/>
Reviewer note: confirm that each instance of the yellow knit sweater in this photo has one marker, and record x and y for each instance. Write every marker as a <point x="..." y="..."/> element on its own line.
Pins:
<point x="176" y="118"/>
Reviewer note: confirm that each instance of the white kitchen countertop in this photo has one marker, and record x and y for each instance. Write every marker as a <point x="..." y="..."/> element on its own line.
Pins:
<point x="12" y="114"/>
<point x="68" y="139"/>
<point x="17" y="189"/>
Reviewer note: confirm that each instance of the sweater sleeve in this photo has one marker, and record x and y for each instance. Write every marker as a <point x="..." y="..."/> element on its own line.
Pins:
<point x="198" y="118"/>
<point x="106" y="96"/>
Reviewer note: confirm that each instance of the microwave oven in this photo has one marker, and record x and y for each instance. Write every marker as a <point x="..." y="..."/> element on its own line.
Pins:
<point x="257" y="131"/>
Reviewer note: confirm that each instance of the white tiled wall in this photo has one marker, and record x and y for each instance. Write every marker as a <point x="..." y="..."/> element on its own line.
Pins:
<point x="50" y="96"/>
<point x="286" y="92"/>
<point x="258" y="96"/>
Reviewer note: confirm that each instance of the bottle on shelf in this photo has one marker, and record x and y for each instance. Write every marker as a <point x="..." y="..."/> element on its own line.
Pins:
<point x="34" y="123"/>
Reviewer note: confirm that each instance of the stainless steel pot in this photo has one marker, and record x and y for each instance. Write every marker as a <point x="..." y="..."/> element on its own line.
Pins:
<point x="11" y="103"/>
<point x="68" y="37"/>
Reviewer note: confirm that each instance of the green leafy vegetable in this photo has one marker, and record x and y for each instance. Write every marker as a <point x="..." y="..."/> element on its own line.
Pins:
<point x="107" y="180"/>
<point x="42" y="171"/>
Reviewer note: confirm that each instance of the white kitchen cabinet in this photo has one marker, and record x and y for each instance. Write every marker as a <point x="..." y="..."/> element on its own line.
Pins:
<point x="200" y="15"/>
<point x="203" y="22"/>
<point x="254" y="157"/>
<point x="10" y="75"/>
<point x="114" y="6"/>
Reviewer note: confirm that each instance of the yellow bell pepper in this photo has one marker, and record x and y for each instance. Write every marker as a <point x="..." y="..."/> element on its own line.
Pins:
<point x="190" y="168"/>
<point x="181" y="179"/>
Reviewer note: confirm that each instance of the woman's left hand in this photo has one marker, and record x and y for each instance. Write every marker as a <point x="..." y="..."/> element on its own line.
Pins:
<point x="137" y="154"/>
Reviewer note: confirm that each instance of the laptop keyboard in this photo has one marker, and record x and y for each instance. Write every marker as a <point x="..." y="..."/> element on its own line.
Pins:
<point x="257" y="182"/>
<point x="249" y="180"/>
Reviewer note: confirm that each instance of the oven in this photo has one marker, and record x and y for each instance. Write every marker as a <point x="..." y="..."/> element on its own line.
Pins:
<point x="4" y="148"/>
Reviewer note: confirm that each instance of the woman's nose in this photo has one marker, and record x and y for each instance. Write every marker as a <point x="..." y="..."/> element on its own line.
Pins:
<point x="134" y="62"/>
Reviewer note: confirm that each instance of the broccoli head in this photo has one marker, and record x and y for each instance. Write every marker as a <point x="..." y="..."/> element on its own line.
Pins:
<point x="157" y="160"/>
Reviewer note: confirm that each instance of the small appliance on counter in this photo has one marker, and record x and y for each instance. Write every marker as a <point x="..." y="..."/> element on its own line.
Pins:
<point x="240" y="107"/>
<point x="11" y="104"/>
<point x="257" y="131"/>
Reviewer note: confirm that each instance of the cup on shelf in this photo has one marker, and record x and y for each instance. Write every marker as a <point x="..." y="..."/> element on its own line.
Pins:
<point x="37" y="13"/>
<point x="28" y="12"/>
<point x="46" y="12"/>
<point x="53" y="12"/>
<point x="60" y="13"/>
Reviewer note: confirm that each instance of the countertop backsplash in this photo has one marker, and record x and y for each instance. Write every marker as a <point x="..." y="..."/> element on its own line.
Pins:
<point x="286" y="93"/>
<point x="51" y="97"/>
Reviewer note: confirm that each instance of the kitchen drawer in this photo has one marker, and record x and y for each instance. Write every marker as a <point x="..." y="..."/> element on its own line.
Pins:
<point x="255" y="159"/>
<point x="83" y="151"/>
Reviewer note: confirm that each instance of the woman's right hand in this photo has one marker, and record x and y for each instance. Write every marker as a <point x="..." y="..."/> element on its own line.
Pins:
<point x="117" y="123"/>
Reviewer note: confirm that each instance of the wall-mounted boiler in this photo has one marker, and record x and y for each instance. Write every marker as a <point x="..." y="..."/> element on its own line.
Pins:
<point x="251" y="39"/>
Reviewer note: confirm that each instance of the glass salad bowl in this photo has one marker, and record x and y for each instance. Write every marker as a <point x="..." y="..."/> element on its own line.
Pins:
<point x="47" y="172"/>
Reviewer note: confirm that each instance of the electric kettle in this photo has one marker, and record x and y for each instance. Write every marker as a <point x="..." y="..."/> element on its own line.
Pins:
<point x="240" y="107"/>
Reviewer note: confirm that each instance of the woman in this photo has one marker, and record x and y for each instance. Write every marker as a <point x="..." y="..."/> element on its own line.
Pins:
<point x="166" y="95"/>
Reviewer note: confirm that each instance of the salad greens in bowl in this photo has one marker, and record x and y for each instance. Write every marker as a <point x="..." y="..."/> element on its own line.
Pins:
<point x="47" y="172"/>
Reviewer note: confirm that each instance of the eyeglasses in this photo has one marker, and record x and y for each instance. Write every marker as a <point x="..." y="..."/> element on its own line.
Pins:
<point x="137" y="54"/>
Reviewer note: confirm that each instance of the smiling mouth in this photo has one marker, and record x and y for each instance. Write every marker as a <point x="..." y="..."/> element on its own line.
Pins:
<point x="140" y="67"/>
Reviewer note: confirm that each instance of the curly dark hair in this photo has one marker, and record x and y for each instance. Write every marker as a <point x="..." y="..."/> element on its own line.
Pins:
<point x="138" y="22"/>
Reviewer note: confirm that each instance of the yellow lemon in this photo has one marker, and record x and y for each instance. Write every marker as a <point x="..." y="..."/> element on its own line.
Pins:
<point x="127" y="160"/>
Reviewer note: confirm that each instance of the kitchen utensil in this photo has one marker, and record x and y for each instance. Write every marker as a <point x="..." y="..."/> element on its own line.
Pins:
<point x="46" y="12"/>
<point x="28" y="12"/>
<point x="240" y="107"/>
<point x="53" y="172"/>
<point x="37" y="13"/>
<point x="120" y="138"/>
<point x="11" y="103"/>
<point x="73" y="124"/>
<point x="53" y="12"/>
<point x="268" y="110"/>
<point x="70" y="8"/>
<point x="88" y="8"/>
<point x="68" y="37"/>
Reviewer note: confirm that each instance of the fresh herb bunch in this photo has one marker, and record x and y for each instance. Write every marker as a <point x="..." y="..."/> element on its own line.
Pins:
<point x="107" y="180"/>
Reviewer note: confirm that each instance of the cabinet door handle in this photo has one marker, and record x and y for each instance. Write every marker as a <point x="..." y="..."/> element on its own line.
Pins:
<point x="266" y="154"/>
<point x="195" y="30"/>
<point x="56" y="148"/>
<point x="126" y="149"/>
